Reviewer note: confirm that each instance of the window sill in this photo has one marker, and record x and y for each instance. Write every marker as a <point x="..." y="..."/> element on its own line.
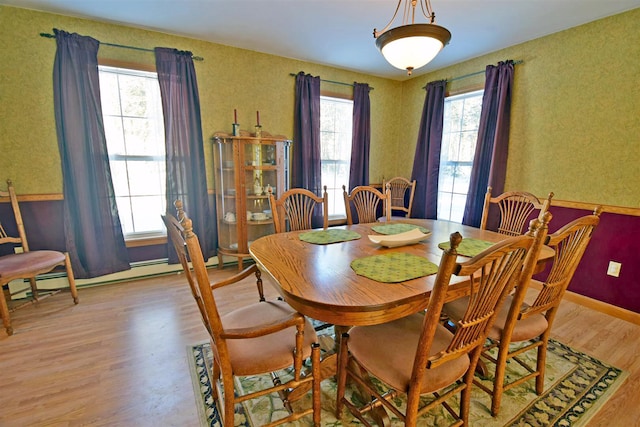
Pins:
<point x="337" y="220"/>
<point x="133" y="242"/>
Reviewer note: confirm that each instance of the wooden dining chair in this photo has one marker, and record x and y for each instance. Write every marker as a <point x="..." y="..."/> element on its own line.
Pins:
<point x="417" y="355"/>
<point x="520" y="322"/>
<point x="515" y="208"/>
<point x="366" y="200"/>
<point x="259" y="338"/>
<point x="26" y="264"/>
<point x="402" y="191"/>
<point x="175" y="233"/>
<point x="297" y="208"/>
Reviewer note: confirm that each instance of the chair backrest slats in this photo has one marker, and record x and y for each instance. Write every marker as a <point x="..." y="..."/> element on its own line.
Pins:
<point x="402" y="192"/>
<point x="489" y="278"/>
<point x="366" y="200"/>
<point x="296" y="208"/>
<point x="515" y="208"/>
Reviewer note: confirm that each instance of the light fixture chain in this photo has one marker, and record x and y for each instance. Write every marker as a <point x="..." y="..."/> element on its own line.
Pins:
<point x="377" y="33"/>
<point x="427" y="11"/>
<point x="410" y="9"/>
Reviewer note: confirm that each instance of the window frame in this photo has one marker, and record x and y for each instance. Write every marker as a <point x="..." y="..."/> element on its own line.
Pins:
<point x="474" y="92"/>
<point x="145" y="238"/>
<point x="338" y="218"/>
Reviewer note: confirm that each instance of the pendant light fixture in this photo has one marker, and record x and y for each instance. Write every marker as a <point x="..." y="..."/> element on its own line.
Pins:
<point x="410" y="45"/>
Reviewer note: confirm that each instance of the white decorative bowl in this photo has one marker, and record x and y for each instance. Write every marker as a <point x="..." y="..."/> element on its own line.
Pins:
<point x="401" y="239"/>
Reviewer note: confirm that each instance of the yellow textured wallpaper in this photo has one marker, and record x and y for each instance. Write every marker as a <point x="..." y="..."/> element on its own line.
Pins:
<point x="228" y="78"/>
<point x="575" y="126"/>
<point x="575" y="119"/>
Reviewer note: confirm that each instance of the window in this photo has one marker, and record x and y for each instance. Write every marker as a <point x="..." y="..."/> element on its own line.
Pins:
<point x="134" y="129"/>
<point x="459" y="136"/>
<point x="336" y="125"/>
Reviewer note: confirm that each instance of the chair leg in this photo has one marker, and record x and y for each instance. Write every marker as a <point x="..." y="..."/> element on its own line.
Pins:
<point x="229" y="401"/>
<point x="341" y="375"/>
<point x="317" y="378"/>
<point x="4" y="312"/>
<point x="465" y="396"/>
<point x="377" y="411"/>
<point x="71" y="278"/>
<point x="34" y="288"/>
<point x="541" y="364"/>
<point x="465" y="402"/>
<point x="498" y="381"/>
<point x="411" y="411"/>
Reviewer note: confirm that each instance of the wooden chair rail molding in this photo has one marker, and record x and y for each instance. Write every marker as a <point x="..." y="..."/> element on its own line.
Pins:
<point x="621" y="210"/>
<point x="38" y="197"/>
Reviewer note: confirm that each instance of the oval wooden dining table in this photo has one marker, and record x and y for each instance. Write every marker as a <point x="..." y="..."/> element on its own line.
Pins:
<point x="318" y="281"/>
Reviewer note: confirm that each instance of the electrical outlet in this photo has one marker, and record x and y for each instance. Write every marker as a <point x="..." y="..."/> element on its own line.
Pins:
<point x="18" y="249"/>
<point x="614" y="268"/>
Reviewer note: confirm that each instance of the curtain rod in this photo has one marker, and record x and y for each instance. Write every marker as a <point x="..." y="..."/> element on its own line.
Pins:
<point x="520" y="61"/>
<point x="331" y="81"/>
<point x="53" y="36"/>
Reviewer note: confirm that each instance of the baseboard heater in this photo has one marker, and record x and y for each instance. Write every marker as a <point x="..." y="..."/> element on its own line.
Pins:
<point x="139" y="270"/>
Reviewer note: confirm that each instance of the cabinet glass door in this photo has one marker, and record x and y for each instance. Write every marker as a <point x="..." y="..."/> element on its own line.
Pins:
<point x="245" y="169"/>
<point x="226" y="194"/>
<point x="260" y="173"/>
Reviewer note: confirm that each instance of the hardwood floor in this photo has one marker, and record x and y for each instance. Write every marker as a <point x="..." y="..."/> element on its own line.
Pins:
<point x="119" y="357"/>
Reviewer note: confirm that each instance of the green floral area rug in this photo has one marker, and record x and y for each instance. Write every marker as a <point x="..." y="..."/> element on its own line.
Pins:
<point x="576" y="386"/>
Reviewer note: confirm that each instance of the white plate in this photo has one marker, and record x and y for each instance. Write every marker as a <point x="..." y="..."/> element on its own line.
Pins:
<point x="392" y="240"/>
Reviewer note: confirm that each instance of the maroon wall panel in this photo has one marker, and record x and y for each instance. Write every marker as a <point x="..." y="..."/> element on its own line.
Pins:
<point x="617" y="238"/>
<point x="44" y="225"/>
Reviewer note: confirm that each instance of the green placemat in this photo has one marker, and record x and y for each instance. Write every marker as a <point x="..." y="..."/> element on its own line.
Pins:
<point x="469" y="247"/>
<point x="324" y="237"/>
<point x="394" y="267"/>
<point x="397" y="228"/>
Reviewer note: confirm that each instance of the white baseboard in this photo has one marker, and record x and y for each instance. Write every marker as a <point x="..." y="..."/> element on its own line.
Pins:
<point x="138" y="270"/>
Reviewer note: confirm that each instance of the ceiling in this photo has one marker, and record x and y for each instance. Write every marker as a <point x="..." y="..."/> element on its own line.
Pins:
<point x="339" y="32"/>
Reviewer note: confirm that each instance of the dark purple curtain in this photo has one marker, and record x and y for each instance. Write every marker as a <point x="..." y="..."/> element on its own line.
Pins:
<point x="93" y="234"/>
<point x="426" y="162"/>
<point x="490" y="160"/>
<point x="306" y="166"/>
<point x="186" y="172"/>
<point x="361" y="141"/>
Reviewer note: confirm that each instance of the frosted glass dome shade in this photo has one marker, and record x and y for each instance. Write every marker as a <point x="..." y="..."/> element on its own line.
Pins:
<point x="410" y="47"/>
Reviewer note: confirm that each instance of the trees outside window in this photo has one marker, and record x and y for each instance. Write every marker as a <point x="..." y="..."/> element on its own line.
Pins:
<point x="336" y="131"/>
<point x="459" y="137"/>
<point x="134" y="128"/>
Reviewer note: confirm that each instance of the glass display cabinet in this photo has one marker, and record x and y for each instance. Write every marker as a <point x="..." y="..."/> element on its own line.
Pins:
<point x="245" y="167"/>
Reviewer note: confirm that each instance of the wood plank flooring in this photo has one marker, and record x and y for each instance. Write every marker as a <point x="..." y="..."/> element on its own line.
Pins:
<point x="119" y="357"/>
